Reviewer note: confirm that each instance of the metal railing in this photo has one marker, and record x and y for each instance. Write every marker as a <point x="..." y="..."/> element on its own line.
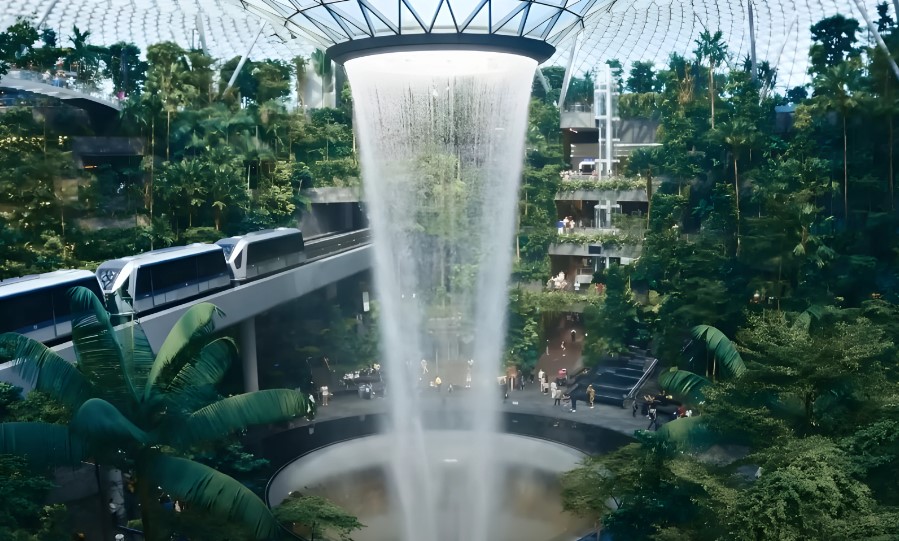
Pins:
<point x="646" y="373"/>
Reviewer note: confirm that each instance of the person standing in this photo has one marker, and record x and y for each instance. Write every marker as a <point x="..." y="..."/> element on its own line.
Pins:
<point x="653" y="418"/>
<point x="573" y="336"/>
<point x="591" y="394"/>
<point x="573" y="403"/>
<point x="552" y="390"/>
<point x="438" y="382"/>
<point x="557" y="397"/>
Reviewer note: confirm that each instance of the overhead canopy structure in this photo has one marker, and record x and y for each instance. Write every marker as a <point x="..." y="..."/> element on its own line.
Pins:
<point x="219" y="27"/>
<point x="598" y="30"/>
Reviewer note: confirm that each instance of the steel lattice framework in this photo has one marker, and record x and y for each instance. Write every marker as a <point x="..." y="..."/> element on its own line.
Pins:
<point x="584" y="32"/>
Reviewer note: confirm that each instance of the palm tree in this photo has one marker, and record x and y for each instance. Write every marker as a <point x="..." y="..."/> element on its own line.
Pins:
<point x="134" y="409"/>
<point x="835" y="90"/>
<point x="711" y="47"/>
<point x="738" y="134"/>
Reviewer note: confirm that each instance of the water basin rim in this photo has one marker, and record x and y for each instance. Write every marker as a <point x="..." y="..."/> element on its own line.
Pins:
<point x="531" y="48"/>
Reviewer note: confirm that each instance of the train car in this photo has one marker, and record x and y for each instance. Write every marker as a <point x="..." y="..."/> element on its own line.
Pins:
<point x="38" y="305"/>
<point x="262" y="253"/>
<point x="163" y="278"/>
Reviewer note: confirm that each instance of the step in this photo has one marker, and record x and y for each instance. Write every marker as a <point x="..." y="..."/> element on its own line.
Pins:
<point x="629" y="372"/>
<point x="615" y="379"/>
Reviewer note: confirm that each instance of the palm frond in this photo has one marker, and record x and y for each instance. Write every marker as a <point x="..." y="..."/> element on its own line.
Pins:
<point x="195" y="325"/>
<point x="194" y="385"/>
<point x="136" y="354"/>
<point x="98" y="351"/>
<point x="238" y="412"/>
<point x="43" y="444"/>
<point x="683" y="385"/>
<point x="686" y="433"/>
<point x="207" y="490"/>
<point x="44" y="370"/>
<point x="722" y="348"/>
<point x="100" y="423"/>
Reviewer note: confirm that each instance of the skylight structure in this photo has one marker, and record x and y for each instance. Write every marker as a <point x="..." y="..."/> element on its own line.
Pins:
<point x="353" y="27"/>
<point x="220" y="27"/>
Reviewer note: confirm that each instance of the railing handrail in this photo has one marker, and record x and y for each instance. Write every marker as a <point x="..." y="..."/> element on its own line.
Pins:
<point x="646" y="373"/>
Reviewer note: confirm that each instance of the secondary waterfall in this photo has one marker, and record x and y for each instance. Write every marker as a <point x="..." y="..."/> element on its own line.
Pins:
<point x="441" y="135"/>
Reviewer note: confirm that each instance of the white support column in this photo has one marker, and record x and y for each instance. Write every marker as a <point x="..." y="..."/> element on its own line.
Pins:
<point x="248" y="355"/>
<point x="873" y="28"/>
<point x="567" y="78"/>
<point x="243" y="59"/>
<point x="752" y="57"/>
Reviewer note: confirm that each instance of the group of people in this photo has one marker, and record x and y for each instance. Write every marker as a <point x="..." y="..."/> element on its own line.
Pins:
<point x="650" y="410"/>
<point x="563" y="398"/>
<point x="566" y="225"/>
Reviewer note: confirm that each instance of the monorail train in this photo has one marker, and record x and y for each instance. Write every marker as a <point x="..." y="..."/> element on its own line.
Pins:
<point x="38" y="307"/>
<point x="261" y="253"/>
<point x="162" y="278"/>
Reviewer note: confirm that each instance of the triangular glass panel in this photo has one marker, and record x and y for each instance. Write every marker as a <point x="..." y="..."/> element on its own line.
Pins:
<point x="426" y="9"/>
<point x="351" y="13"/>
<point x="537" y="31"/>
<point x="463" y="8"/>
<point x="377" y="21"/>
<point x="409" y="24"/>
<point x="444" y="22"/>
<point x="479" y="23"/>
<point x="511" y="25"/>
<point x="537" y="15"/>
<point x="323" y="18"/>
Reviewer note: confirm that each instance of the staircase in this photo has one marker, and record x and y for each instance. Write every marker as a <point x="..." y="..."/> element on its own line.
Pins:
<point x="619" y="378"/>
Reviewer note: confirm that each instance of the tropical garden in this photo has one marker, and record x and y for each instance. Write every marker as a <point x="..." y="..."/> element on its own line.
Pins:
<point x="767" y="287"/>
<point x="767" y="284"/>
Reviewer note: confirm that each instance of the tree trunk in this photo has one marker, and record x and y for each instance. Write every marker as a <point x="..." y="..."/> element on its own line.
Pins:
<point x="845" y="177"/>
<point x="146" y="504"/>
<point x="712" y="90"/>
<point x="168" y="134"/>
<point x="648" y="198"/>
<point x="737" y="199"/>
<point x="892" y="198"/>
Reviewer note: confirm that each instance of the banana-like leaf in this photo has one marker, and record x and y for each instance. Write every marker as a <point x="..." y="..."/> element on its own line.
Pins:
<point x="44" y="370"/>
<point x="205" y="489"/>
<point x="194" y="385"/>
<point x="686" y="433"/>
<point x="722" y="348"/>
<point x="238" y="412"/>
<point x="98" y="351"/>
<point x="43" y="444"/>
<point x="100" y="423"/>
<point x="197" y="323"/>
<point x="136" y="353"/>
<point x="683" y="385"/>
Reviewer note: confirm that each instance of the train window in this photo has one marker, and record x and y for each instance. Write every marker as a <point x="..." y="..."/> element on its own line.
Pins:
<point x="144" y="283"/>
<point x="238" y="261"/>
<point x="273" y="248"/>
<point x="210" y="265"/>
<point x="172" y="274"/>
<point x="62" y="305"/>
<point x="23" y="312"/>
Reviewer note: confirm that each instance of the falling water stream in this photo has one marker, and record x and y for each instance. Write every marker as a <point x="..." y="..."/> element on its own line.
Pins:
<point x="441" y="135"/>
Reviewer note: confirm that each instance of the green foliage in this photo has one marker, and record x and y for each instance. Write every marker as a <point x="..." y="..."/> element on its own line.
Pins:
<point x="726" y="357"/>
<point x="684" y="386"/>
<point x="610" y="326"/>
<point x="322" y="518"/>
<point x="134" y="406"/>
<point x="21" y="494"/>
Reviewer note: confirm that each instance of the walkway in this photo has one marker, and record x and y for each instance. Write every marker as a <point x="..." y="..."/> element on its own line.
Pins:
<point x="78" y="94"/>
<point x="528" y="401"/>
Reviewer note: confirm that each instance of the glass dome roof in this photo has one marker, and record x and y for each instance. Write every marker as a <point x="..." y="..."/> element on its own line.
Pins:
<point x="222" y="25"/>
<point x="598" y="30"/>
